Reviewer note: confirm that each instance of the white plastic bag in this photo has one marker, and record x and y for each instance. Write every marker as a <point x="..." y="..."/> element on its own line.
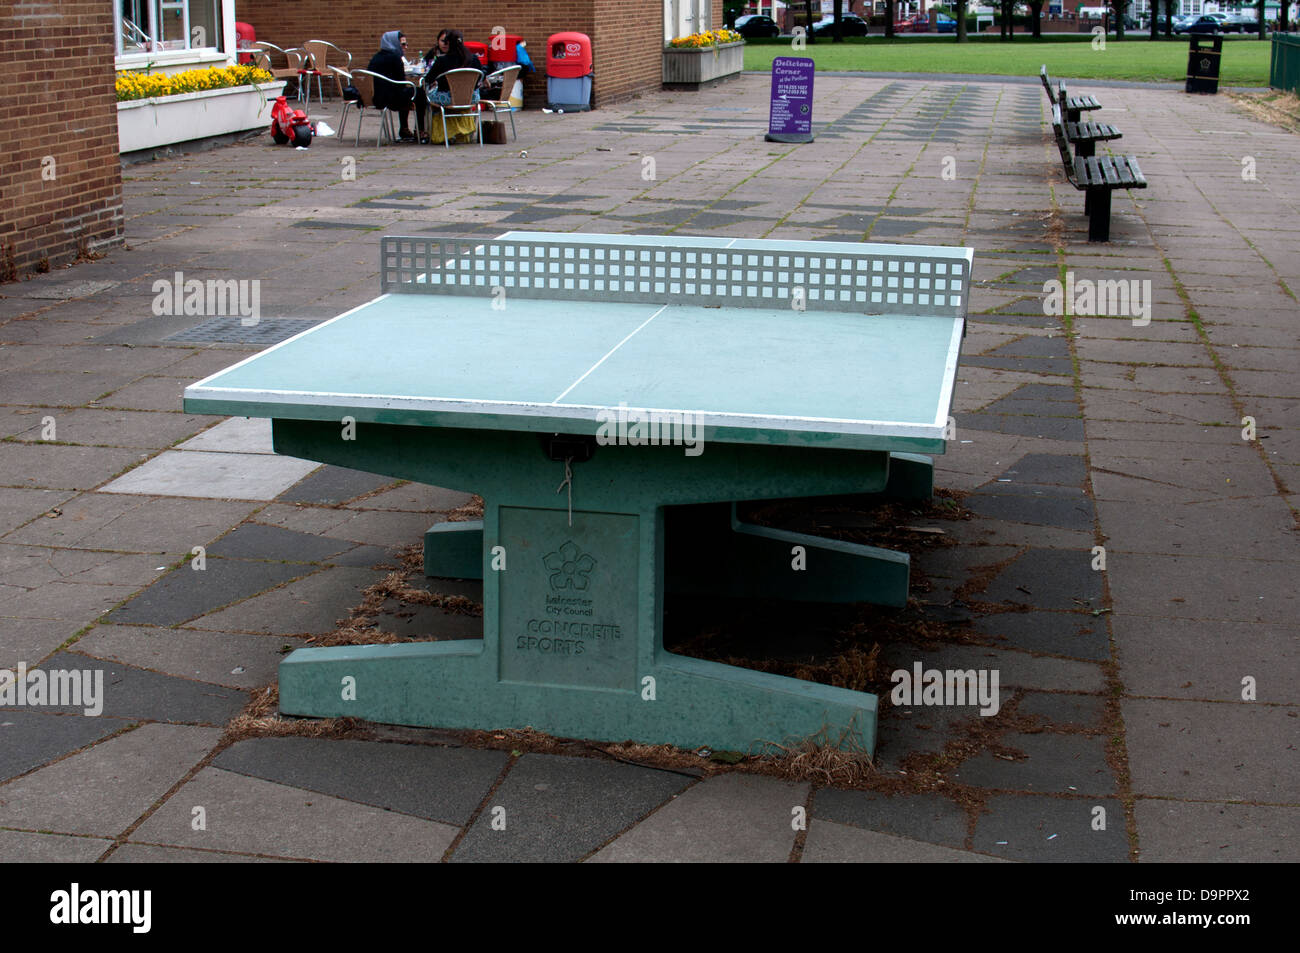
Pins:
<point x="517" y="94"/>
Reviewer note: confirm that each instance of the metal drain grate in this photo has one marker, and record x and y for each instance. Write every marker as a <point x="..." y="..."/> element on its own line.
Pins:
<point x="231" y="330"/>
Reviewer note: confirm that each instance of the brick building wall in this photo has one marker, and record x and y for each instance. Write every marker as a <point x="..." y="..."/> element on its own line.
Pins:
<point x="626" y="37"/>
<point x="60" y="176"/>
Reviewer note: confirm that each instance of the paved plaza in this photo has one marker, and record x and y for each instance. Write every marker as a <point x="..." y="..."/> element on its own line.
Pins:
<point x="1150" y="690"/>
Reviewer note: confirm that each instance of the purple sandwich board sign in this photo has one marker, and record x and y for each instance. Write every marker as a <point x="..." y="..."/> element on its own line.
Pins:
<point x="790" y="115"/>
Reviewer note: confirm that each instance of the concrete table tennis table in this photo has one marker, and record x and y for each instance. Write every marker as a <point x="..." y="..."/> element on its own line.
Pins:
<point x="611" y="398"/>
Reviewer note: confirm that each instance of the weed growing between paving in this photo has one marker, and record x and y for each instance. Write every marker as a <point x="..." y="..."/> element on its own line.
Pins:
<point x="1273" y="106"/>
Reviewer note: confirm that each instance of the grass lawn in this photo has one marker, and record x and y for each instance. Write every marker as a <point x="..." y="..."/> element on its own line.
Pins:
<point x="1245" y="59"/>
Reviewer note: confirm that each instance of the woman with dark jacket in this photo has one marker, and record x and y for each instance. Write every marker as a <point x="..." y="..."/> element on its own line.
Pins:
<point x="390" y="62"/>
<point x="448" y="54"/>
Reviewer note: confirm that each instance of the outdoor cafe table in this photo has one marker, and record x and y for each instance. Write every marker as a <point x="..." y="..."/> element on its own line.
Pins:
<point x="503" y="367"/>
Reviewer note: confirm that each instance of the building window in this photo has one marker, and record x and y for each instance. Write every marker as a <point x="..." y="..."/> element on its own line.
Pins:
<point x="151" y="26"/>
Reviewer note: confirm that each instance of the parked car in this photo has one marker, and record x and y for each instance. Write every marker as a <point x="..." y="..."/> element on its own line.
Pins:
<point x="920" y="23"/>
<point x="850" y="25"/>
<point x="1205" y="23"/>
<point x="753" y="26"/>
<point x="1240" y="23"/>
<point x="945" y="24"/>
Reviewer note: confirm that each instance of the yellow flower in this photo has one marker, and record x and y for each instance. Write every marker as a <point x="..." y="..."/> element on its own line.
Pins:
<point x="133" y="85"/>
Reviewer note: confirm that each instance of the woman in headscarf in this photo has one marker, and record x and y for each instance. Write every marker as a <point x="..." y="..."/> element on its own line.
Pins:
<point x="390" y="62"/>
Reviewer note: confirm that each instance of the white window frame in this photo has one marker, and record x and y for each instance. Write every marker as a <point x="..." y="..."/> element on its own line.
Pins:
<point x="219" y="51"/>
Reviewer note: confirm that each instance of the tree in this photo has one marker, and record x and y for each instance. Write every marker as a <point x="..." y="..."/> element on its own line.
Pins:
<point x="837" y="31"/>
<point x="1036" y="15"/>
<point x="1259" y="15"/>
<point x="808" y="9"/>
<point x="960" y="14"/>
<point x="889" y="19"/>
<point x="1008" y="8"/>
<point x="1281" y="18"/>
<point x="1117" y="8"/>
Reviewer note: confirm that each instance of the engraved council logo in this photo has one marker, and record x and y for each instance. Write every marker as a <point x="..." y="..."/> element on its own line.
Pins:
<point x="569" y="567"/>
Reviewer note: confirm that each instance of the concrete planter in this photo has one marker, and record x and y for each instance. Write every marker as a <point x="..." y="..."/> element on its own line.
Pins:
<point x="167" y="120"/>
<point x="694" y="68"/>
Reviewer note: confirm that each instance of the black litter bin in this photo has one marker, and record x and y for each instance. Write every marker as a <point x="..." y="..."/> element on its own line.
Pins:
<point x="1203" y="64"/>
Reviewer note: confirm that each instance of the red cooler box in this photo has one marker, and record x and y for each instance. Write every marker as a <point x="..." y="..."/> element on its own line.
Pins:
<point x="568" y="72"/>
<point x="501" y="48"/>
<point x="480" y="50"/>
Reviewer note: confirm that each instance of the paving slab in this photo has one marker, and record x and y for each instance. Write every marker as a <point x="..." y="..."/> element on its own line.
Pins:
<point x="334" y="485"/>
<point x="1154" y="658"/>
<point x="1049" y="428"/>
<point x="1053" y="762"/>
<point x="1015" y="669"/>
<point x="1229" y="527"/>
<point x="114" y="428"/>
<point x="1200" y="832"/>
<point x="559" y="808"/>
<point x="30" y="640"/>
<point x="1204" y="587"/>
<point x="1211" y="750"/>
<point x="259" y="541"/>
<point x="1048" y="579"/>
<point x="232" y="659"/>
<point x="32" y="737"/>
<point x="147" y="393"/>
<point x="50" y="466"/>
<point x="417" y="497"/>
<point x="186" y="593"/>
<point x="133" y="524"/>
<point x="218" y="476"/>
<point x="919" y="817"/>
<point x="385" y="528"/>
<point x="313" y="605"/>
<point x="731" y="818"/>
<point x="31" y="848"/>
<point x="1044" y="829"/>
<point x="234" y="435"/>
<point x="105" y="789"/>
<point x="155" y="854"/>
<point x="1039" y="508"/>
<point x="137" y="694"/>
<point x="1078" y="634"/>
<point x="1058" y="708"/>
<point x="831" y="843"/>
<point x="33" y="566"/>
<point x="259" y="817"/>
<point x="61" y="600"/>
<point x="436" y="783"/>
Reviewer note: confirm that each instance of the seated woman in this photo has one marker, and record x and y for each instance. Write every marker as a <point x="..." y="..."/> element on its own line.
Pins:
<point x="389" y="62"/>
<point x="448" y="54"/>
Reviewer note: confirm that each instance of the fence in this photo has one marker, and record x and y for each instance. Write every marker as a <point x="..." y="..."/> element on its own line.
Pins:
<point x="1284" y="63"/>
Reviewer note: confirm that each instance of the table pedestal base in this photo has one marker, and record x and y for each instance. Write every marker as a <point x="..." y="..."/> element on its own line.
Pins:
<point x="573" y="596"/>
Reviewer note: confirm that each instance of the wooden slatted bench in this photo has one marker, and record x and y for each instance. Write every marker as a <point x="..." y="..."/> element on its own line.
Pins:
<point x="1096" y="177"/>
<point x="1084" y="136"/>
<point x="1072" y="106"/>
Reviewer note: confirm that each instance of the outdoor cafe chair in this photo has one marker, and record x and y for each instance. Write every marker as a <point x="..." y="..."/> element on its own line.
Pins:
<point x="507" y="79"/>
<point x="364" y="81"/>
<point x="461" y="83"/>
<point x="318" y="51"/>
<point x="293" y="58"/>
